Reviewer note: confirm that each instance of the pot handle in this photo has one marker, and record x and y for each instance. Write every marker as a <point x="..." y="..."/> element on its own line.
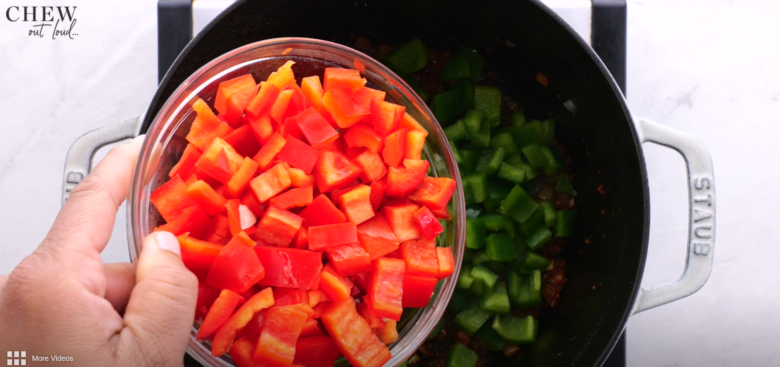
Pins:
<point x="78" y="161"/>
<point x="701" y="222"/>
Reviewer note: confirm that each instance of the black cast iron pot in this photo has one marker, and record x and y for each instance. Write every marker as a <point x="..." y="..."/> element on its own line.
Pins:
<point x="602" y="138"/>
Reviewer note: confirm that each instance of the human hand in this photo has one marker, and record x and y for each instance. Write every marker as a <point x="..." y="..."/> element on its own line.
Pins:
<point x="63" y="301"/>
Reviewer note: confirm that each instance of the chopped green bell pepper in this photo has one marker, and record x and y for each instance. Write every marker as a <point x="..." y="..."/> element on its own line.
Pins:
<point x="518" y="119"/>
<point x="461" y="356"/>
<point x="565" y="225"/>
<point x="534" y="261"/>
<point x="519" y="205"/>
<point x="480" y="258"/>
<point x="475" y="233"/>
<point x="471" y="320"/>
<point x="457" y="67"/>
<point x="530" y="172"/>
<point x="488" y="101"/>
<point x="565" y="185"/>
<point x="498" y="222"/>
<point x="478" y="185"/>
<point x="477" y="128"/>
<point x="492" y="340"/>
<point x="504" y="139"/>
<point x="447" y="105"/>
<point x="466" y="94"/>
<point x="536" y="219"/>
<point x="550" y="216"/>
<point x="456" y="131"/>
<point x="511" y="173"/>
<point x="514" y="159"/>
<point x="500" y="247"/>
<point x="476" y="63"/>
<point x="497" y="191"/>
<point x="525" y="291"/>
<point x="484" y="280"/>
<point x="470" y="158"/>
<point x="461" y="300"/>
<point x="538" y="237"/>
<point x="409" y="58"/>
<point x="552" y="160"/>
<point x="497" y="301"/>
<point x="535" y="156"/>
<point x="490" y="160"/>
<point x="529" y="133"/>
<point x="464" y="278"/>
<point x="520" y="330"/>
<point x="473" y="211"/>
<point x="548" y="130"/>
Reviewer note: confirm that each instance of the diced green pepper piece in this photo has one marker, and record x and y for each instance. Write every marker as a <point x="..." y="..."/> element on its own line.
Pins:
<point x="475" y="233"/>
<point x="536" y="219"/>
<point x="497" y="301"/>
<point x="497" y="191"/>
<point x="549" y="213"/>
<point x="565" y="225"/>
<point x="484" y="280"/>
<point x="466" y="94"/>
<point x="477" y="128"/>
<point x="480" y="257"/>
<point x="520" y="330"/>
<point x="518" y="119"/>
<point x="461" y="300"/>
<point x="470" y="159"/>
<point x="456" y="131"/>
<point x="535" y="156"/>
<point x="529" y="133"/>
<point x="500" y="247"/>
<point x="511" y="173"/>
<point x="409" y="58"/>
<point x="530" y="172"/>
<point x="519" y="205"/>
<point x="478" y="185"/>
<point x="476" y="62"/>
<point x="447" y="105"/>
<point x="473" y="211"/>
<point x="504" y="139"/>
<point x="461" y="356"/>
<point x="456" y="153"/>
<point x="564" y="185"/>
<point x="436" y="330"/>
<point x="464" y="278"/>
<point x="534" y="261"/>
<point x="471" y="320"/>
<point x="525" y="291"/>
<point x="498" y="222"/>
<point x="552" y="161"/>
<point x="490" y="160"/>
<point x="548" y="130"/>
<point x="457" y="67"/>
<point x="514" y="159"/>
<point x="488" y="101"/>
<point x="489" y="337"/>
<point x="468" y="197"/>
<point x="538" y="237"/>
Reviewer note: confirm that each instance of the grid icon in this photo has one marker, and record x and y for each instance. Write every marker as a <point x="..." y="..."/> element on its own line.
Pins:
<point x="16" y="358"/>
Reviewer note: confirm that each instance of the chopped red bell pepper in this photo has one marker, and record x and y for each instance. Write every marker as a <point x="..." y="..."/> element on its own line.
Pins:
<point x="283" y="75"/>
<point x="278" y="227"/>
<point x="206" y="126"/>
<point x="418" y="290"/>
<point x="234" y="216"/>
<point x="335" y="195"/>
<point x="250" y="200"/>
<point x="420" y="257"/>
<point x="208" y="199"/>
<point x="446" y="262"/>
<point x="312" y="90"/>
<point x="388" y="332"/>
<point x="442" y="213"/>
<point x="435" y="192"/>
<point x="372" y="164"/>
<point x="385" y="289"/>
<point x="353" y="336"/>
<point x="365" y="96"/>
<point x="377" y="237"/>
<point x="293" y="198"/>
<point x="319" y="309"/>
<point x="193" y="220"/>
<point x="242" y="350"/>
<point x="343" y="108"/>
<point x="186" y="165"/>
<point x="242" y="177"/>
<point x="289" y="267"/>
<point x="364" y="135"/>
<point x="317" y="296"/>
<point x="262" y="128"/>
<point x="206" y="297"/>
<point x="337" y="286"/>
<point x="334" y="170"/>
<point x="233" y="96"/>
<point x="386" y="116"/>
<point x="401" y="220"/>
<point x="290" y="296"/>
<point x="317" y="131"/>
<point x="244" y="141"/>
<point x="270" y="150"/>
<point x="395" y="148"/>
<point x="429" y="224"/>
<point x="321" y="237"/>
<point x="322" y="212"/>
<point x="280" y="332"/>
<point x="356" y="204"/>
<point x="349" y="259"/>
<point x="219" y="160"/>
<point x="310" y="328"/>
<point x="377" y="193"/>
<point x="223" y="340"/>
<point x="271" y="183"/>
<point x="315" y="351"/>
<point x="198" y="255"/>
<point x="301" y="240"/>
<point x="402" y="181"/>
<point x="290" y="128"/>
<point x="298" y="178"/>
<point x="297" y="101"/>
<point x="415" y="142"/>
<point x="171" y="198"/>
<point x="347" y="79"/>
<point x="261" y="103"/>
<point x="218" y="230"/>
<point x="279" y="108"/>
<point x="374" y="321"/>
<point x="408" y="122"/>
<point x="299" y="154"/>
<point x="236" y="267"/>
<point x="219" y="312"/>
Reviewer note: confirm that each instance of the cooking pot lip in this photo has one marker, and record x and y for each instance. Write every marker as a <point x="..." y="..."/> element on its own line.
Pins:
<point x="616" y="93"/>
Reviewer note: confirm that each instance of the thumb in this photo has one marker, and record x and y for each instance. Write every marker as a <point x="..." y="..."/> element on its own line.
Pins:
<point x="159" y="315"/>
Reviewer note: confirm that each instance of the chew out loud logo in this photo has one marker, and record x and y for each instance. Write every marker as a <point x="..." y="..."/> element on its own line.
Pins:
<point x="57" y="22"/>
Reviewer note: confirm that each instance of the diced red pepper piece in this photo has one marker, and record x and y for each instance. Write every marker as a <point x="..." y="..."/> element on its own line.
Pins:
<point x="278" y="227"/>
<point x="289" y="267"/>
<point x="389" y="201"/>
<point x="349" y="259"/>
<point x="242" y="177"/>
<point x="247" y="294"/>
<point x="293" y="198"/>
<point x="298" y="154"/>
<point x="442" y="213"/>
<point x="377" y="193"/>
<point x="312" y="90"/>
<point x="337" y="286"/>
<point x="271" y="183"/>
<point x="377" y="237"/>
<point x="198" y="255"/>
<point x="401" y="220"/>
<point x="388" y="333"/>
<point x="420" y="257"/>
<point x="395" y="148"/>
<point x="429" y="224"/>
<point x="317" y="131"/>
<point x="334" y="170"/>
<point x="316" y="351"/>
<point x="250" y="200"/>
<point x="263" y="128"/>
<point x="279" y="108"/>
<point x="336" y="146"/>
<point x="321" y="237"/>
<point x="316" y="296"/>
<point x="220" y="160"/>
<point x="408" y="122"/>
<point x="218" y="230"/>
<point x="356" y="204"/>
<point x="261" y="103"/>
<point x="280" y="332"/>
<point x="244" y="141"/>
<point x="206" y="126"/>
<point x="386" y="116"/>
<point x="186" y="165"/>
<point x="343" y="108"/>
<point x="253" y="328"/>
<point x="171" y="198"/>
<point x="206" y="297"/>
<point x="353" y="336"/>
<point x="219" y="313"/>
<point x="418" y="290"/>
<point x="335" y="195"/>
<point x="233" y="96"/>
<point x="283" y="75"/>
<point x="236" y="267"/>
<point x="435" y="192"/>
<point x="365" y="96"/>
<point x="415" y="141"/>
<point x="270" y="150"/>
<point x="241" y="353"/>
<point x="223" y="340"/>
<point x="290" y="129"/>
<point x="402" y="181"/>
<point x="385" y="289"/>
<point x="347" y="79"/>
<point x="322" y="212"/>
<point x="374" y="321"/>
<point x="297" y="101"/>
<point x="290" y="296"/>
<point x="310" y="328"/>
<point x="298" y="178"/>
<point x="446" y="262"/>
<point x="234" y="216"/>
<point x="363" y="135"/>
<point x="301" y="240"/>
<point x="193" y="220"/>
<point x="372" y="164"/>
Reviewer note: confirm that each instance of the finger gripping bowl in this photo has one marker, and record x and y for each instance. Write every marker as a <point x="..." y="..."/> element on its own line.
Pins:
<point x="165" y="143"/>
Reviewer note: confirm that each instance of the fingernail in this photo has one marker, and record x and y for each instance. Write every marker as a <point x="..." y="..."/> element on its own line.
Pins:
<point x="167" y="241"/>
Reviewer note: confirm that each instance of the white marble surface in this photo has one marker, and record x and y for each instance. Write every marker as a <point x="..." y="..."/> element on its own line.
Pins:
<point x="705" y="67"/>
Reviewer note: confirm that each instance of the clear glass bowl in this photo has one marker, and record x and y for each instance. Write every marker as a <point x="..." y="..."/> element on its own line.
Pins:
<point x="165" y="143"/>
